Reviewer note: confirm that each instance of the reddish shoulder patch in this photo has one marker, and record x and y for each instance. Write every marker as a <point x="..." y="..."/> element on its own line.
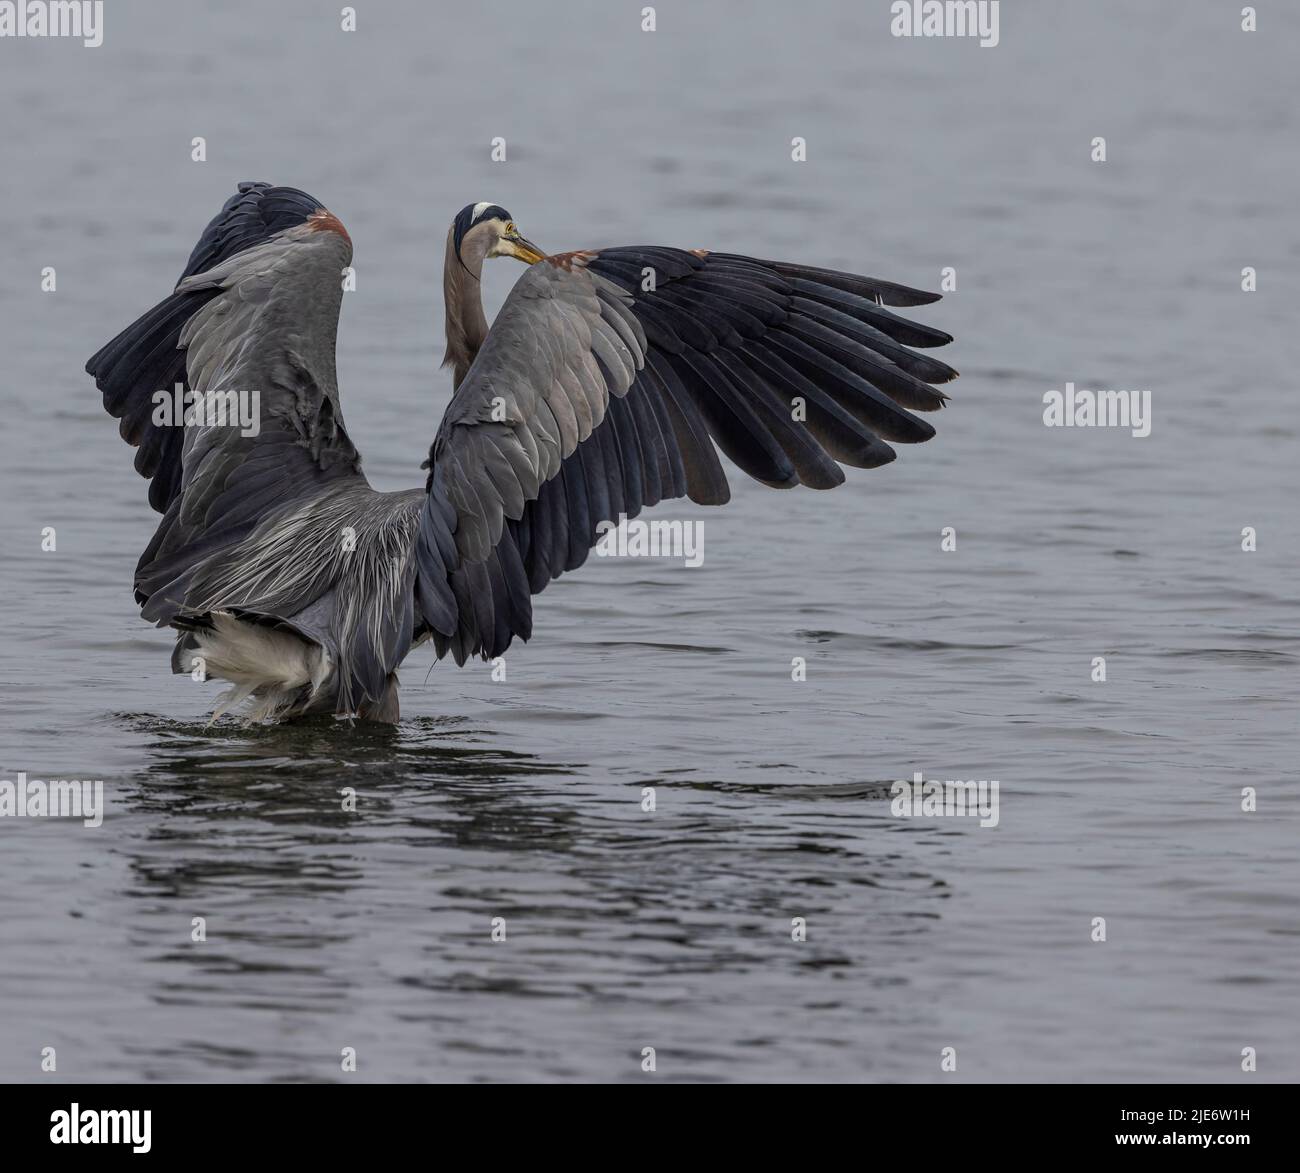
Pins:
<point x="580" y="258"/>
<point x="323" y="220"/>
<point x="699" y="252"/>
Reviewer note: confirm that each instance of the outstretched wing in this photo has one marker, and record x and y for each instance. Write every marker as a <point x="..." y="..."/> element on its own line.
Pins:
<point x="149" y="356"/>
<point x="603" y="387"/>
<point x="258" y="483"/>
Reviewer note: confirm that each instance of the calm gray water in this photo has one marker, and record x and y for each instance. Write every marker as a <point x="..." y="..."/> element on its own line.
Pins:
<point x="522" y="799"/>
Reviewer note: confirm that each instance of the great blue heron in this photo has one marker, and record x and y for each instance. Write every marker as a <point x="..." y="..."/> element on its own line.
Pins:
<point x="603" y="386"/>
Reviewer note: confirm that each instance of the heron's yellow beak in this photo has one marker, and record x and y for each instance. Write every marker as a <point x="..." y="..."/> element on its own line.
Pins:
<point x="525" y="250"/>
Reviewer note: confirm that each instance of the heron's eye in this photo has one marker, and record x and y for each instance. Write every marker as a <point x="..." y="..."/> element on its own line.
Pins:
<point x="510" y="228"/>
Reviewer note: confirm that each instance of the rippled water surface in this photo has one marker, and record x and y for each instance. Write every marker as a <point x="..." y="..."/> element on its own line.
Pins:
<point x="523" y="799"/>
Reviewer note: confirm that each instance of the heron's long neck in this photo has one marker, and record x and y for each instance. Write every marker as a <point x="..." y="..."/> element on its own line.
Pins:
<point x="466" y="325"/>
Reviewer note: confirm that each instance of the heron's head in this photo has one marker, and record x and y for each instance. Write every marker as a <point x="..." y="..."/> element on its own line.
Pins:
<point x="487" y="230"/>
